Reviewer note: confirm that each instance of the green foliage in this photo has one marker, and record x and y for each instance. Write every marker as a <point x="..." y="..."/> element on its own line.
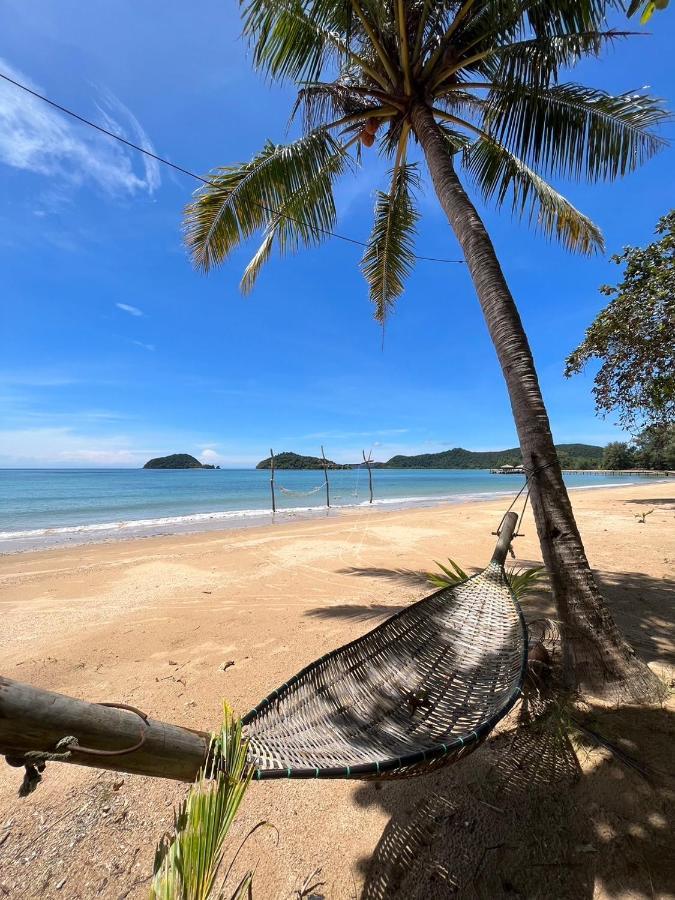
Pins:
<point x="521" y="581"/>
<point x="498" y="171"/>
<point x="618" y="455"/>
<point x="188" y="864"/>
<point x="289" y="460"/>
<point x="176" y="461"/>
<point x="490" y="74"/>
<point x="654" y="448"/>
<point x="634" y="336"/>
<point x="572" y="456"/>
<point x="285" y="191"/>
<point x="389" y="256"/>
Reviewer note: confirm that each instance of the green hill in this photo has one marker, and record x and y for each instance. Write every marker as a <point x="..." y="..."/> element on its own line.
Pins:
<point x="572" y="456"/>
<point x="296" y="461"/>
<point x="176" y="461"/>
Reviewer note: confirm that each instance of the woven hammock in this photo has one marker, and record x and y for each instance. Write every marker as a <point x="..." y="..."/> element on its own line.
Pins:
<point x="421" y="690"/>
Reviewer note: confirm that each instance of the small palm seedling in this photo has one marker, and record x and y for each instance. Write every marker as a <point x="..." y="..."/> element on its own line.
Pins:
<point x="187" y="864"/>
<point x="642" y="516"/>
<point x="521" y="581"/>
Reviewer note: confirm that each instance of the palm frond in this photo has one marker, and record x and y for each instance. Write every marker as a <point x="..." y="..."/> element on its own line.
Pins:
<point x="302" y="219"/>
<point x="321" y="103"/>
<point x="240" y="200"/>
<point x="521" y="581"/>
<point x="498" y="173"/>
<point x="540" y="60"/>
<point x="575" y="131"/>
<point x="535" y="61"/>
<point x="455" y="140"/>
<point x="450" y="575"/>
<point x="187" y="864"/>
<point x="389" y="256"/>
<point x="296" y="40"/>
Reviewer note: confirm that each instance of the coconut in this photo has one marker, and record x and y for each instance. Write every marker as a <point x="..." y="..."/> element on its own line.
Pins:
<point x="372" y="125"/>
<point x="367" y="139"/>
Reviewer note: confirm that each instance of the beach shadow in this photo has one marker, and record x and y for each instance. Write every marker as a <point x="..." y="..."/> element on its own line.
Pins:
<point x="668" y="502"/>
<point x="401" y="576"/>
<point x="359" y="612"/>
<point x="521" y="819"/>
<point x="642" y="607"/>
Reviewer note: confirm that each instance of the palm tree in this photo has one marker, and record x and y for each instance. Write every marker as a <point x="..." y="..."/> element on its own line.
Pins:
<point x="474" y="83"/>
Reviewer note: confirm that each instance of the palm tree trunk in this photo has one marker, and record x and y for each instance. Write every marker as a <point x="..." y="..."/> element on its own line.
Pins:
<point x="596" y="657"/>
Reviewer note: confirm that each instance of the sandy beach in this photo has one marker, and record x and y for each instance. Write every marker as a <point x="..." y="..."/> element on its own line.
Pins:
<point x="151" y="622"/>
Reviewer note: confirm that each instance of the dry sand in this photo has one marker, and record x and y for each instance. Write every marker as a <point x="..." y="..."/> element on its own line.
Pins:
<point x="149" y="622"/>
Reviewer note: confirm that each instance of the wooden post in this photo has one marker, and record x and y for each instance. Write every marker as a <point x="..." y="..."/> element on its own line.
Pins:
<point x="274" y="502"/>
<point x="35" y="720"/>
<point x="370" y="474"/>
<point x="325" y="475"/>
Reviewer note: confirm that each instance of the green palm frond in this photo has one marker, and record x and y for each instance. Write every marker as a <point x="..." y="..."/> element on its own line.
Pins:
<point x="187" y="864"/>
<point x="498" y="173"/>
<point x="389" y="256"/>
<point x="451" y="574"/>
<point x="576" y="131"/>
<point x="243" y="199"/>
<point x="455" y="140"/>
<point x="521" y="581"/>
<point x="293" y="39"/>
<point x="301" y="220"/>
<point x="524" y="581"/>
<point x="538" y="62"/>
<point x="322" y="103"/>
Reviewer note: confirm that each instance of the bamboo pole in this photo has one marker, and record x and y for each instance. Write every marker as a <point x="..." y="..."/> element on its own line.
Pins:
<point x="370" y="474"/>
<point x="325" y="475"/>
<point x="32" y="719"/>
<point x="274" y="502"/>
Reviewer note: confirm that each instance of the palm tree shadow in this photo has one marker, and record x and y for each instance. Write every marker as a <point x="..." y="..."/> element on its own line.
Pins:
<point x="402" y="576"/>
<point x="522" y="818"/>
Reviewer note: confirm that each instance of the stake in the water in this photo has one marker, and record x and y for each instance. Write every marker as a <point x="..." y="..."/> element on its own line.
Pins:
<point x="325" y="475"/>
<point x="274" y="502"/>
<point x="370" y="473"/>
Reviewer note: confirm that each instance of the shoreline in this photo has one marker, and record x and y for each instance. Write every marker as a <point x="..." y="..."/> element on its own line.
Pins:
<point x="173" y="624"/>
<point x="54" y="538"/>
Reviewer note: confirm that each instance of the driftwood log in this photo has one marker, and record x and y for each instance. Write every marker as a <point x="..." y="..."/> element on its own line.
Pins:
<point x="34" y="721"/>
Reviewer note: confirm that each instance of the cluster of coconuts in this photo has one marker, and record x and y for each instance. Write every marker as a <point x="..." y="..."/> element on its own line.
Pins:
<point x="368" y="132"/>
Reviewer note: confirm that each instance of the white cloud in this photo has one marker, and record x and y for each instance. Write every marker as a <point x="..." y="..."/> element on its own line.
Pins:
<point x="208" y="455"/>
<point x="132" y="310"/>
<point x="63" y="446"/>
<point x="37" y="138"/>
<point x="149" y="347"/>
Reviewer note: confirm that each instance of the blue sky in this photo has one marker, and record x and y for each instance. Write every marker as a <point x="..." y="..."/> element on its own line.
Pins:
<point x="113" y="348"/>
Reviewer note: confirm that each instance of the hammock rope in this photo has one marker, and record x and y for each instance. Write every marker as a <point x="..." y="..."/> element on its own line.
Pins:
<point x="308" y="493"/>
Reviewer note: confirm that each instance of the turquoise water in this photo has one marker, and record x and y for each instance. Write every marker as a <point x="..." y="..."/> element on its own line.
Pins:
<point x="45" y="507"/>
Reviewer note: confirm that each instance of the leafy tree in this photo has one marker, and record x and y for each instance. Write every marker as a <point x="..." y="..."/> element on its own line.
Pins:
<point x="617" y="455"/>
<point x="634" y="335"/>
<point x="654" y="448"/>
<point x="476" y="84"/>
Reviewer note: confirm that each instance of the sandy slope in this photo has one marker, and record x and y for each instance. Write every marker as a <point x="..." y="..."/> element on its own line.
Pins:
<point x="149" y="623"/>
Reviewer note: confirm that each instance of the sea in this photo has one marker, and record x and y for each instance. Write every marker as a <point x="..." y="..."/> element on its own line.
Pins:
<point x="42" y="508"/>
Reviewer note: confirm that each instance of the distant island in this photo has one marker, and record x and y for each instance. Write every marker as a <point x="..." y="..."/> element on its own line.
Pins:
<point x="572" y="456"/>
<point x="296" y="461"/>
<point x="177" y="461"/>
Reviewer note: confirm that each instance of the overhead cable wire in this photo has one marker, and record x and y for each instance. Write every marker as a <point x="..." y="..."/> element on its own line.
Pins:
<point x="184" y="171"/>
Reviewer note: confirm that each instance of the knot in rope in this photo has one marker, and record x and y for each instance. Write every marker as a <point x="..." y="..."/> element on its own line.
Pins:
<point x="35" y="761"/>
